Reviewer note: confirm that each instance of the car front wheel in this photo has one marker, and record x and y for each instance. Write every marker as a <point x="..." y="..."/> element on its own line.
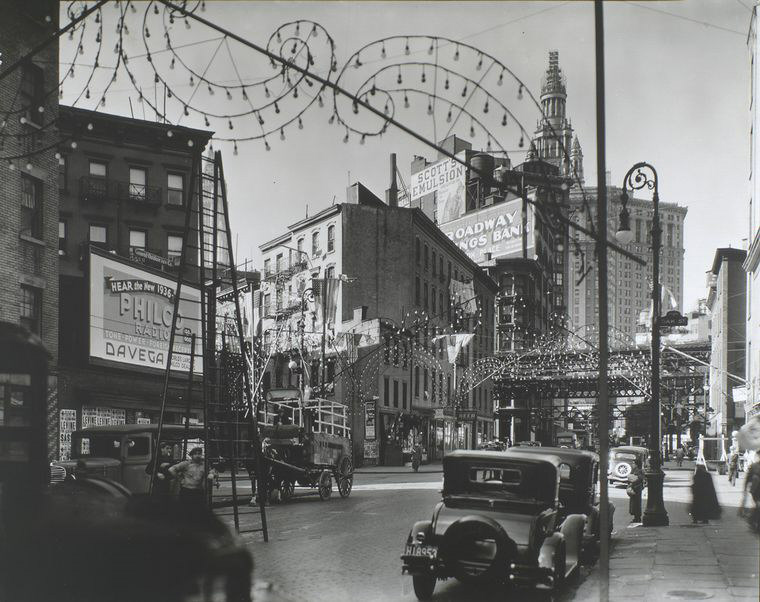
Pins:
<point x="423" y="586"/>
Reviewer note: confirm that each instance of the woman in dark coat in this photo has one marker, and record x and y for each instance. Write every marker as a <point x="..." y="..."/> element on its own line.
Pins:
<point x="634" y="489"/>
<point x="704" y="500"/>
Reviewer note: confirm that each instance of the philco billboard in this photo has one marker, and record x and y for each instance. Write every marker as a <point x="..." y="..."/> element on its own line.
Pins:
<point x="447" y="179"/>
<point x="497" y="230"/>
<point x="131" y="312"/>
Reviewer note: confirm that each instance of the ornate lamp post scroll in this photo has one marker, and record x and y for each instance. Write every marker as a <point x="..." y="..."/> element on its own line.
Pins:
<point x="643" y="175"/>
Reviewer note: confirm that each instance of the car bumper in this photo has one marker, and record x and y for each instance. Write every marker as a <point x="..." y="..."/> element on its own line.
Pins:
<point x="518" y="574"/>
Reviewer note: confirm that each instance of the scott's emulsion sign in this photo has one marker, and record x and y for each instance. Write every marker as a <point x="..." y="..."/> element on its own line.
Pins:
<point x="497" y="230"/>
<point x="447" y="178"/>
<point x="131" y="312"/>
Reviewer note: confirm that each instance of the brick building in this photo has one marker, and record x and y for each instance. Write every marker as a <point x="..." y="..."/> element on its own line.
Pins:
<point x="399" y="272"/>
<point x="123" y="188"/>
<point x="29" y="191"/>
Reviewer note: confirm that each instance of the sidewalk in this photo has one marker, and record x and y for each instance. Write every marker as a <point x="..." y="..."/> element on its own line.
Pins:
<point x="719" y="561"/>
<point x="434" y="466"/>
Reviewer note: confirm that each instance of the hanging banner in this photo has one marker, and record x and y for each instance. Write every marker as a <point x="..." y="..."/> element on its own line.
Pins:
<point x="454" y="343"/>
<point x="131" y="312"/>
<point x="326" y="298"/>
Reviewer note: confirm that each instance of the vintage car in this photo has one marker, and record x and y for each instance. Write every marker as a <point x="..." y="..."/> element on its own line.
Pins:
<point x="497" y="521"/>
<point x="622" y="461"/>
<point x="579" y="476"/>
<point x="122" y="452"/>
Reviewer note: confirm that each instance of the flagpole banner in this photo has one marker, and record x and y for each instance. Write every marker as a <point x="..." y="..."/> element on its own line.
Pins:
<point x="326" y="298"/>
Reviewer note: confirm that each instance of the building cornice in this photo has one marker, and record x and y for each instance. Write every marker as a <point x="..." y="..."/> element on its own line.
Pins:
<point x="753" y="255"/>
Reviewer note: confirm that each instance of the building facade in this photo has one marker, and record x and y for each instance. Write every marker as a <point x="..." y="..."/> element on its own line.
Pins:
<point x="399" y="284"/>
<point x="123" y="186"/>
<point x="29" y="191"/>
<point x="752" y="263"/>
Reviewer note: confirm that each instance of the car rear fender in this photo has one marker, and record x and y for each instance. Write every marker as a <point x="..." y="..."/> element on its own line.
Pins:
<point x="572" y="531"/>
<point x="421" y="532"/>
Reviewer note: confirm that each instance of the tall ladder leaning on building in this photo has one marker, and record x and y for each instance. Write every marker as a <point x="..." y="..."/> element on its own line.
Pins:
<point x="232" y="442"/>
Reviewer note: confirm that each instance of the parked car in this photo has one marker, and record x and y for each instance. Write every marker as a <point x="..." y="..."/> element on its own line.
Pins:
<point x="579" y="477"/>
<point x="122" y="452"/>
<point x="497" y="521"/>
<point x="622" y="461"/>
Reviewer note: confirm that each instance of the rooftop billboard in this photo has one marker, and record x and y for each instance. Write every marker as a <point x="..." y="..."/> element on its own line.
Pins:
<point x="131" y="311"/>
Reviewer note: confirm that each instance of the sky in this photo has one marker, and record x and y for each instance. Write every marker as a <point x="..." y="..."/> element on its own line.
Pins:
<point x="677" y="96"/>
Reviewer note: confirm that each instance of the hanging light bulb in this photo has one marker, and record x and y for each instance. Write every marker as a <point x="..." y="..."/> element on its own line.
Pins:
<point x="423" y="75"/>
<point x="11" y="165"/>
<point x="279" y="38"/>
<point x="300" y="124"/>
<point x="430" y="107"/>
<point x="87" y="93"/>
<point x="320" y="101"/>
<point x="168" y="93"/>
<point x="261" y="119"/>
<point x="522" y="142"/>
<point x="171" y="18"/>
<point x="485" y="107"/>
<point x="345" y="138"/>
<point x="472" y="131"/>
<point x="187" y="23"/>
<point x="192" y="81"/>
<point x="504" y="119"/>
<point x="464" y="90"/>
<point x="155" y="8"/>
<point x="103" y="101"/>
<point x="29" y="166"/>
<point x="430" y="50"/>
<point x="355" y="108"/>
<point x="282" y="134"/>
<point x="229" y="96"/>
<point x="406" y="101"/>
<point x="357" y="62"/>
<point x="235" y="148"/>
<point x="479" y="66"/>
<point x="186" y="112"/>
<point x="229" y="124"/>
<point x="295" y="92"/>
<point x="362" y="139"/>
<point x="171" y="65"/>
<point x="501" y="79"/>
<point x="332" y="119"/>
<point x="488" y="145"/>
<point x="210" y="90"/>
<point x="386" y="109"/>
<point x="205" y="121"/>
<point x="382" y="51"/>
<point x="456" y="53"/>
<point x="169" y="133"/>
<point x="155" y="78"/>
<point x="90" y="126"/>
<point x="448" y="117"/>
<point x="519" y="92"/>
<point x="74" y="144"/>
<point x="406" y="48"/>
<point x="398" y="79"/>
<point x="276" y="107"/>
<point x="190" y="143"/>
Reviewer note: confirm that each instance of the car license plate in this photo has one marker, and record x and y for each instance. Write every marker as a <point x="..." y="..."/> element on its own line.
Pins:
<point x="419" y="550"/>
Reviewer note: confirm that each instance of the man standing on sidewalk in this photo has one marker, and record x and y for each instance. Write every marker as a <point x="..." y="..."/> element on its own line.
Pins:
<point x="192" y="476"/>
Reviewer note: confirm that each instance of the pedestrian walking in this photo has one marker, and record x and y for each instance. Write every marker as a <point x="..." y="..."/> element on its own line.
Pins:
<point x="192" y="476"/>
<point x="164" y="479"/>
<point x="733" y="465"/>
<point x="680" y="453"/>
<point x="634" y="489"/>
<point x="704" y="500"/>
<point x="752" y="487"/>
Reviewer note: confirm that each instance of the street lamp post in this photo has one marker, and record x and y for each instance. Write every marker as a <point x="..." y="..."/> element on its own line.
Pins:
<point x="643" y="175"/>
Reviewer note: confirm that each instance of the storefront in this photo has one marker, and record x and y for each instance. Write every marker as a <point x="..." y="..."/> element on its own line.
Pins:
<point x="444" y="433"/>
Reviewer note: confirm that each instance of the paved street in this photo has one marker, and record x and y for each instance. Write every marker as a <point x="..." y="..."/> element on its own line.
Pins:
<point x="349" y="549"/>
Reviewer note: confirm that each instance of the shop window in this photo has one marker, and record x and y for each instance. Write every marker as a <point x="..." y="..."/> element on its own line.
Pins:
<point x="386" y="390"/>
<point x="31" y="207"/>
<point x="31" y="309"/>
<point x="173" y="246"/>
<point x="175" y="189"/>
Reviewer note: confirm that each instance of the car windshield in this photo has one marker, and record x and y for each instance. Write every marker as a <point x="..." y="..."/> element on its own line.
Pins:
<point x="625" y="456"/>
<point x="514" y="481"/>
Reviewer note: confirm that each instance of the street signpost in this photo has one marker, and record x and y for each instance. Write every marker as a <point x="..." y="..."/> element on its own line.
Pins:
<point x="672" y="318"/>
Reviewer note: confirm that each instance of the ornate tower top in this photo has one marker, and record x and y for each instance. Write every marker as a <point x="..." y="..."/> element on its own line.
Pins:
<point x="553" y="82"/>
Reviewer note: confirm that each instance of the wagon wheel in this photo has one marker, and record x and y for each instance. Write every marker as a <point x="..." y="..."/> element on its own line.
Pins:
<point x="286" y="489"/>
<point x="344" y="476"/>
<point x="325" y="485"/>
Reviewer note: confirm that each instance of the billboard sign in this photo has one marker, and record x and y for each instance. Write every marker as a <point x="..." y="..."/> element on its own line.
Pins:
<point x="447" y="179"/>
<point x="497" y="230"/>
<point x="131" y="311"/>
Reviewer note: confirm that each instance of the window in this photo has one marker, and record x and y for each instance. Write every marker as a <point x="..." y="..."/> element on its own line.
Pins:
<point x="440" y="265"/>
<point x="427" y="257"/>
<point x="137" y="239"/>
<point x="98" y="234"/>
<point x="417" y="290"/>
<point x="61" y="237"/>
<point x="434" y="264"/>
<point x="425" y="383"/>
<point x="31" y="308"/>
<point x="137" y="179"/>
<point x="403" y="394"/>
<point x="278" y="263"/>
<point x="173" y="246"/>
<point x="267" y="305"/>
<point x="330" y="272"/>
<point x="31" y="207"/>
<point x="267" y="267"/>
<point x="315" y="244"/>
<point x="433" y="386"/>
<point x="98" y="169"/>
<point x="175" y="189"/>
<point x="386" y="390"/>
<point x="62" y="173"/>
<point x="330" y="239"/>
<point x="32" y="92"/>
<point x="299" y="246"/>
<point x="416" y="381"/>
<point x="433" y="297"/>
<point x="425" y="296"/>
<point x="395" y="393"/>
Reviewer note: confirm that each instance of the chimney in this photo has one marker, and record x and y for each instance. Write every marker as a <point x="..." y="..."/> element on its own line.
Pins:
<point x="391" y="195"/>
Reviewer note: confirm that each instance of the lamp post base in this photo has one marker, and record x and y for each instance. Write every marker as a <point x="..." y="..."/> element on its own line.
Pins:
<point x="655" y="514"/>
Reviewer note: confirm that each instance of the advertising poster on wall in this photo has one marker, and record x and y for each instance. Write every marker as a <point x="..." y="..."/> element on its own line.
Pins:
<point x="68" y="424"/>
<point x="369" y="420"/>
<point x="497" y="230"/>
<point x="447" y="179"/>
<point x="131" y="312"/>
